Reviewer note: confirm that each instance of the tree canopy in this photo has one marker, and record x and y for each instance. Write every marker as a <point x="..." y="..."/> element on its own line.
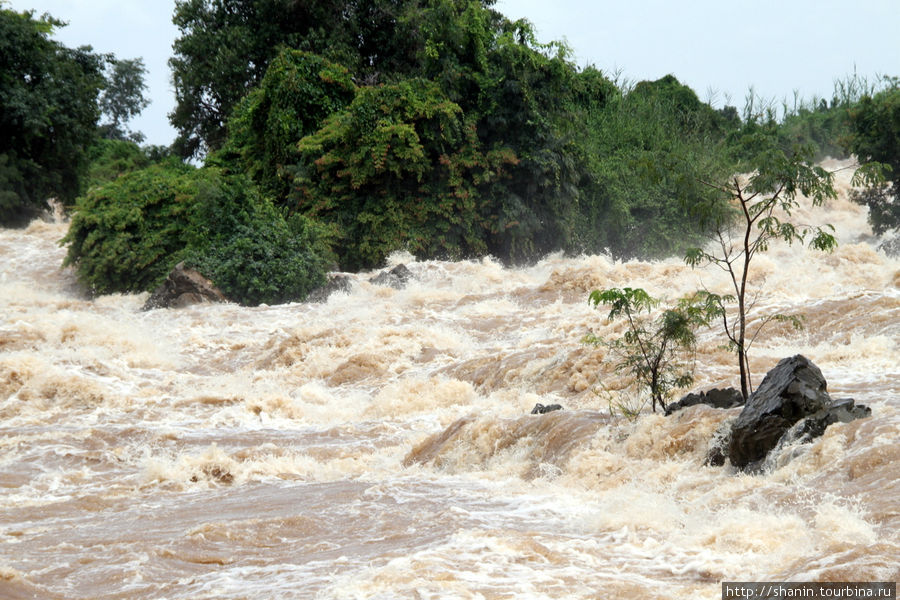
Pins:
<point x="48" y="115"/>
<point x="875" y="137"/>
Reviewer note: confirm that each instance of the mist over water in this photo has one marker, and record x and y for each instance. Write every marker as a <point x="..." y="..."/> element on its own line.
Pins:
<point x="379" y="445"/>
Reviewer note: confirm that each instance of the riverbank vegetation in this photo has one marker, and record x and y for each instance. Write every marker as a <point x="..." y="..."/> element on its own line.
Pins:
<point x="441" y="128"/>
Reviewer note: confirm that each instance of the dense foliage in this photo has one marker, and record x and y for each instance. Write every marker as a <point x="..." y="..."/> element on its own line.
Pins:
<point x="127" y="235"/>
<point x="876" y="137"/>
<point x="48" y="115"/>
<point x="400" y="168"/>
<point x="649" y="148"/>
<point x="297" y="93"/>
<point x="226" y="46"/>
<point x="247" y="247"/>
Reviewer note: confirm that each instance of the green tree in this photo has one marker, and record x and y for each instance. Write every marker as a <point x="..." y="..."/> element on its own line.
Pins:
<point x="127" y="235"/>
<point x="656" y="351"/>
<point x="225" y="47"/>
<point x="763" y="204"/>
<point x="123" y="98"/>
<point x="532" y="101"/>
<point x="646" y="148"/>
<point x="297" y="93"/>
<point x="399" y="168"/>
<point x="48" y="115"/>
<point x="875" y="138"/>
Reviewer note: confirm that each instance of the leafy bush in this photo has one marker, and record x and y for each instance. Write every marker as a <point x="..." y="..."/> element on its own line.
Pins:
<point x="127" y="235"/>
<point x="251" y="251"/>
<point x="400" y="168"/>
<point x="655" y="352"/>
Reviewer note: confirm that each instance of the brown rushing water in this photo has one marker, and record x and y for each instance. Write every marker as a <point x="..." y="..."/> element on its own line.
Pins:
<point x="380" y="446"/>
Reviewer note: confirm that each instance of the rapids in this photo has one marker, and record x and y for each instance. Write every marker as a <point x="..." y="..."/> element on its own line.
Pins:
<point x="379" y="445"/>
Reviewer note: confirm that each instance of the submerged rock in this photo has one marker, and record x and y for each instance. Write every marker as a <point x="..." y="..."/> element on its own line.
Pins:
<point x="183" y="287"/>
<point x="794" y="393"/>
<point x="396" y="278"/>
<point x="336" y="283"/>
<point x="540" y="409"/>
<point x="727" y="398"/>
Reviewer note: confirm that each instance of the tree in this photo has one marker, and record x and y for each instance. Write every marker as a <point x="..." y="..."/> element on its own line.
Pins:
<point x="647" y="147"/>
<point x="223" y="51"/>
<point x="763" y="204"/>
<point x="399" y="168"/>
<point x="123" y="98"/>
<point x="297" y="93"/>
<point x="875" y="122"/>
<point x="48" y="115"/>
<point x="128" y="234"/>
<point x="656" y="351"/>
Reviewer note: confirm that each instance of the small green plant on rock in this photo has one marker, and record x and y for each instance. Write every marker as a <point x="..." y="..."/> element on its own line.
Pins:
<point x="656" y="351"/>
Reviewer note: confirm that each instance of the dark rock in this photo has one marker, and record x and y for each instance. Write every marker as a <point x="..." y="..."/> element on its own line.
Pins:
<point x="813" y="426"/>
<point x="336" y="283"/>
<point x="184" y="287"/>
<point x="727" y="398"/>
<point x="540" y="409"/>
<point x="794" y="391"/>
<point x="396" y="278"/>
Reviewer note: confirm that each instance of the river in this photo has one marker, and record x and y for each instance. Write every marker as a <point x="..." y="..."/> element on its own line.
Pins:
<point x="380" y="445"/>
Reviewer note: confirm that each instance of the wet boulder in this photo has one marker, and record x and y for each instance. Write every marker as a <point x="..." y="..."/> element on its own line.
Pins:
<point x="840" y="411"/>
<point x="727" y="398"/>
<point x="540" y="409"/>
<point x="794" y="391"/>
<point x="337" y="282"/>
<point x="184" y="286"/>
<point x="396" y="278"/>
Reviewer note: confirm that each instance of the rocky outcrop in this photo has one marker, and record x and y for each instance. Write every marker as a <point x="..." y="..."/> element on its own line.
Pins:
<point x="396" y="278"/>
<point x="336" y="283"/>
<point x="727" y="398"/>
<point x="540" y="409"/>
<point x="183" y="287"/>
<point x="790" y="405"/>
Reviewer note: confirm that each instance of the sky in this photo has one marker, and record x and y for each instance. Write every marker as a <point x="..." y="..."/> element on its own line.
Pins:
<point x="718" y="47"/>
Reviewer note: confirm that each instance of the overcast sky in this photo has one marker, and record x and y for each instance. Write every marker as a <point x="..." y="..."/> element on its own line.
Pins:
<point x="722" y="46"/>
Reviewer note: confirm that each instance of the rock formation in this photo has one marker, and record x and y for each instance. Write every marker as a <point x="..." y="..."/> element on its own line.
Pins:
<point x="396" y="278"/>
<point x="183" y="287"/>
<point x="727" y="398"/>
<point x="790" y="405"/>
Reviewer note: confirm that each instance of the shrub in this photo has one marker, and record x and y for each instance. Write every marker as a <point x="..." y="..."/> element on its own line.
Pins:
<point x="656" y="351"/>
<point x="251" y="251"/>
<point x="128" y="234"/>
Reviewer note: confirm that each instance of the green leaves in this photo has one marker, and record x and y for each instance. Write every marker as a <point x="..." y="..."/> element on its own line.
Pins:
<point x="655" y="351"/>
<point x="875" y="140"/>
<point x="48" y="115"/>
<point x="127" y="235"/>
<point x="399" y="168"/>
<point x="623" y="301"/>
